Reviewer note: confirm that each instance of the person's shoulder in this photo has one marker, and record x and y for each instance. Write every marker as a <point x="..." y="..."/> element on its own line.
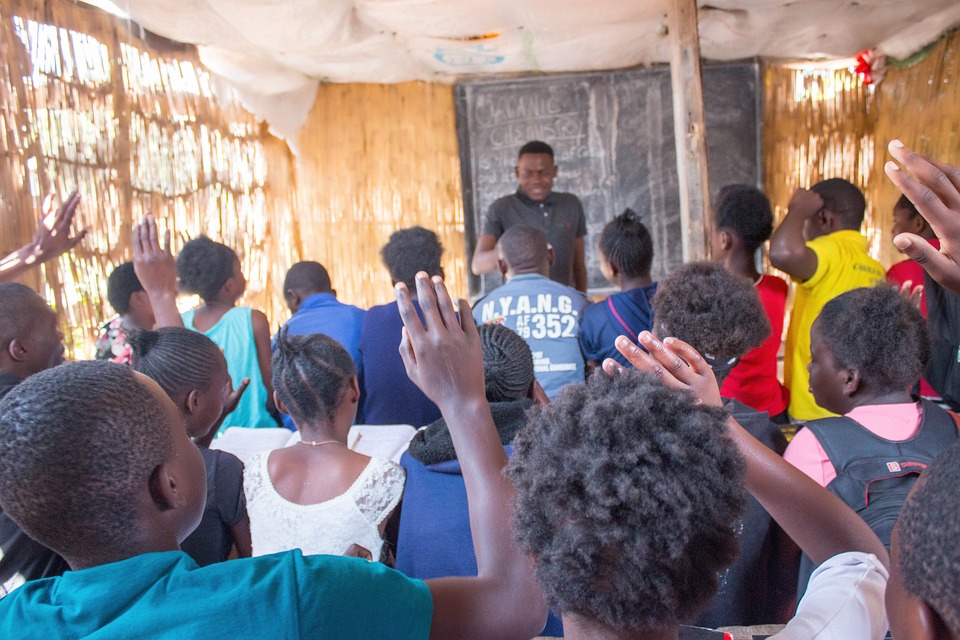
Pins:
<point x="503" y="202"/>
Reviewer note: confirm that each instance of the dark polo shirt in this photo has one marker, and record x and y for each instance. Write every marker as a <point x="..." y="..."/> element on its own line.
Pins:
<point x="560" y="215"/>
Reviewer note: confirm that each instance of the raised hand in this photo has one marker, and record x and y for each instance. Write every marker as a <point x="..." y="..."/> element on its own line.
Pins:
<point x="676" y="363"/>
<point x="52" y="238"/>
<point x="441" y="354"/>
<point x="157" y="271"/>
<point x="934" y="188"/>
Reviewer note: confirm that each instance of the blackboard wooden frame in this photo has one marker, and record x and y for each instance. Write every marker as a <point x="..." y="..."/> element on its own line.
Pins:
<point x="622" y="115"/>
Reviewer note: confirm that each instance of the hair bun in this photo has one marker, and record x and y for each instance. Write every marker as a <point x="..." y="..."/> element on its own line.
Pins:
<point x="142" y="341"/>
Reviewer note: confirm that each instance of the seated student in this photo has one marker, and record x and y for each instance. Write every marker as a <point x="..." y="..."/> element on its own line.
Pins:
<point x="869" y="347"/>
<point x="545" y="313"/>
<point x="212" y="270"/>
<point x="626" y="253"/>
<point x="313" y="301"/>
<point x="719" y="315"/>
<point x="744" y="221"/>
<point x="434" y="538"/>
<point x="191" y="369"/>
<point x="318" y="495"/>
<point x="628" y="491"/>
<point x="820" y="246"/>
<point x="30" y="342"/>
<point x="121" y="530"/>
<point x="388" y="395"/>
<point x="130" y="301"/>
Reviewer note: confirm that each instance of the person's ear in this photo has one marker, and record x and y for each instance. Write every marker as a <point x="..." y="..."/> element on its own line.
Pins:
<point x="516" y="171"/>
<point x="502" y="266"/>
<point x="191" y="403"/>
<point x="551" y="255"/>
<point x="851" y="382"/>
<point x="725" y="240"/>
<point x="16" y="350"/>
<point x="355" y="389"/>
<point x="537" y="394"/>
<point x="553" y="172"/>
<point x="165" y="489"/>
<point x="282" y="408"/>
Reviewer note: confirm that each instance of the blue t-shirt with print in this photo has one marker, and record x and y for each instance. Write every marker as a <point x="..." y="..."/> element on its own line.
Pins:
<point x="546" y="314"/>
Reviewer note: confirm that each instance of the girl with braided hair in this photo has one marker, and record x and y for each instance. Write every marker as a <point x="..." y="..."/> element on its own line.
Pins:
<point x="318" y="495"/>
<point x="191" y="369"/>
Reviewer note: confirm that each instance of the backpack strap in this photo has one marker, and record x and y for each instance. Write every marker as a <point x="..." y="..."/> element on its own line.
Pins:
<point x="616" y="315"/>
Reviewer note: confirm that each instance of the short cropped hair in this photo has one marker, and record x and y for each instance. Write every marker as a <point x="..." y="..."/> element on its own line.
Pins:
<point x="310" y="374"/>
<point x="717" y="313"/>
<point x="15" y="310"/>
<point x="745" y="211"/>
<point x="928" y="527"/>
<point x="409" y="251"/>
<point x="78" y="443"/>
<point x="121" y="284"/>
<point x="535" y="147"/>
<point x="627" y="496"/>
<point x="844" y="199"/>
<point x="507" y="363"/>
<point x="178" y="359"/>
<point x="878" y="333"/>
<point x="523" y="247"/>
<point x="204" y="266"/>
<point x="308" y="277"/>
<point x="627" y="245"/>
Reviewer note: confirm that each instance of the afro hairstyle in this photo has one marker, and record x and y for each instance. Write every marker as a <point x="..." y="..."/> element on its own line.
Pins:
<point x="310" y="374"/>
<point x="718" y="313"/>
<point x="77" y="444"/>
<point x="121" y="284"/>
<point x="626" y="243"/>
<point x="929" y="523"/>
<point x="745" y="211"/>
<point x="409" y="251"/>
<point x="203" y="266"/>
<point x="878" y="333"/>
<point x="628" y="494"/>
<point x="535" y="147"/>
<point x="507" y="363"/>
<point x="844" y="199"/>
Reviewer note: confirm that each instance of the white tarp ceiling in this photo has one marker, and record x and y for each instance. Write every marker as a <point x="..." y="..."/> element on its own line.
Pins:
<point x="275" y="51"/>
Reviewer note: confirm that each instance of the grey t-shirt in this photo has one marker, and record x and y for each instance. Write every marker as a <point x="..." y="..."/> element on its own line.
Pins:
<point x="546" y="314"/>
<point x="560" y="215"/>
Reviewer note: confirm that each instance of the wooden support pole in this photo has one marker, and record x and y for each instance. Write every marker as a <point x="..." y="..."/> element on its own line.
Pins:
<point x="696" y="217"/>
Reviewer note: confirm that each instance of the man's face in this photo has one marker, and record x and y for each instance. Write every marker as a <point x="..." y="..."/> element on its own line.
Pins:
<point x="535" y="173"/>
<point x="42" y="339"/>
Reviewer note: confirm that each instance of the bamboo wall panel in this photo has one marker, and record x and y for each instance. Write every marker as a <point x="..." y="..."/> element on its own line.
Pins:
<point x="822" y="124"/>
<point x="136" y="129"/>
<point x="375" y="159"/>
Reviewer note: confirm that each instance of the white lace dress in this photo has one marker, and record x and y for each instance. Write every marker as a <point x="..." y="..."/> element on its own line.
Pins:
<point x="328" y="527"/>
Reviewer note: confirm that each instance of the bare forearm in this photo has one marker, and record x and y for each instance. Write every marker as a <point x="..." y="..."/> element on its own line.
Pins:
<point x="165" y="310"/>
<point x="483" y="261"/>
<point x="819" y="522"/>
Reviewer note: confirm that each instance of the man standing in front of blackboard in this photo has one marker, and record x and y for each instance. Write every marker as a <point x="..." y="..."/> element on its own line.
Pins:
<point x="560" y="215"/>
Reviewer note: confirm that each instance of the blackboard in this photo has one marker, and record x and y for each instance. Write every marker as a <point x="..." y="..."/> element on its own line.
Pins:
<point x="612" y="133"/>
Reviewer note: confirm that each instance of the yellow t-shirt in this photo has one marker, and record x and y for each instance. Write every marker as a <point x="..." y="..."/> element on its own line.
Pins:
<point x="842" y="265"/>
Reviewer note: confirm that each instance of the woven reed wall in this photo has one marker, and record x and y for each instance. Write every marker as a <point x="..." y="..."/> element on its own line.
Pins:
<point x="823" y="124"/>
<point x="85" y="105"/>
<point x="375" y="159"/>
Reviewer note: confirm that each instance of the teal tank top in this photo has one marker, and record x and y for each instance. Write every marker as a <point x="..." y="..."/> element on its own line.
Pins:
<point x="234" y="334"/>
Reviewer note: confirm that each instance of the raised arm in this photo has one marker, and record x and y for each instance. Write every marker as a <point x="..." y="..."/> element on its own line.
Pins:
<point x="819" y="522"/>
<point x="442" y="357"/>
<point x="484" y="255"/>
<point x="157" y="271"/>
<point x="52" y="239"/>
<point x="788" y="249"/>
<point x="934" y="188"/>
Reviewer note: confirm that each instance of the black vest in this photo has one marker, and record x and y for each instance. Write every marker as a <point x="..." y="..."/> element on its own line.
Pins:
<point x="874" y="475"/>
